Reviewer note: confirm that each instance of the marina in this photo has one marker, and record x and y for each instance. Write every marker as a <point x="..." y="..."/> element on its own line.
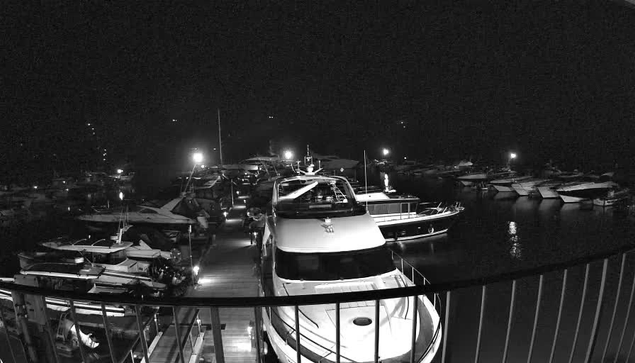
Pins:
<point x="317" y="182"/>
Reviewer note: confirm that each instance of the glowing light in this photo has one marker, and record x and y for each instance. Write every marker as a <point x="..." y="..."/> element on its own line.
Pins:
<point x="119" y="171"/>
<point x="196" y="269"/>
<point x="197" y="157"/>
<point x="385" y="152"/>
<point x="35" y="187"/>
<point x="121" y="195"/>
<point x="288" y="155"/>
<point x="225" y="214"/>
<point x="512" y="155"/>
<point x="173" y="120"/>
<point x="203" y="166"/>
<point x="205" y="281"/>
<point x="405" y="158"/>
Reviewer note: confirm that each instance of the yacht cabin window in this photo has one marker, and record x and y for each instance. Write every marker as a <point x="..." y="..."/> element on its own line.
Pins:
<point x="334" y="265"/>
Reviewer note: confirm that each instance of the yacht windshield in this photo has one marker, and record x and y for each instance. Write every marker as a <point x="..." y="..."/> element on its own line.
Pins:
<point x="308" y="197"/>
<point x="333" y="266"/>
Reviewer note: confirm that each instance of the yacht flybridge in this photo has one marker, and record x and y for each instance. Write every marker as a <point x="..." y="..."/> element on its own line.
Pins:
<point x="319" y="240"/>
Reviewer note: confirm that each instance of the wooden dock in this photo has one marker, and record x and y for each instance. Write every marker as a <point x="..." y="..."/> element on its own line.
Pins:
<point x="227" y="269"/>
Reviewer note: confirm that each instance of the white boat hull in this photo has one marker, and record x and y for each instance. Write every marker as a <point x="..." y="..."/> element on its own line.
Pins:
<point x="571" y="199"/>
<point x="503" y="188"/>
<point x="548" y="192"/>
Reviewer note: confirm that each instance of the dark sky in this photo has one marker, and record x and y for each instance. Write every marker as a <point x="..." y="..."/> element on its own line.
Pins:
<point x="550" y="79"/>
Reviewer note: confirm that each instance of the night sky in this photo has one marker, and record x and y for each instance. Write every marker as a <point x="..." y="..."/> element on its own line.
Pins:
<point x="432" y="80"/>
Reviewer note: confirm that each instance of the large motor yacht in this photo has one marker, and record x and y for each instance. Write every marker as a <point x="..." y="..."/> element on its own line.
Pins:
<point x="319" y="240"/>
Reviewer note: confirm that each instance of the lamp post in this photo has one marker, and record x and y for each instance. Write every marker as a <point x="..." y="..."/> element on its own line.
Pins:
<point x="197" y="157"/>
<point x="512" y="156"/>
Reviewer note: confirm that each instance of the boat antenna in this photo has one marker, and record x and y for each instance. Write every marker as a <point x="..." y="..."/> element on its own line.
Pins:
<point x="365" y="179"/>
<point x="220" y="143"/>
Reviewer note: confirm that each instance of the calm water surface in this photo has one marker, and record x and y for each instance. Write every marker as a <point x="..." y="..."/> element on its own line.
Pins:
<point x="501" y="232"/>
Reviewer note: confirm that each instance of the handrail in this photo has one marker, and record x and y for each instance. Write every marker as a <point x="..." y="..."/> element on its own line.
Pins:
<point x="313" y="299"/>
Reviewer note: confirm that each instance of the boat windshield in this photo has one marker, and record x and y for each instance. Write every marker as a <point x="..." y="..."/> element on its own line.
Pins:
<point x="333" y="266"/>
<point x="310" y="197"/>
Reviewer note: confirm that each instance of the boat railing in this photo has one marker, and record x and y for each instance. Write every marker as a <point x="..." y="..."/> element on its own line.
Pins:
<point x="577" y="310"/>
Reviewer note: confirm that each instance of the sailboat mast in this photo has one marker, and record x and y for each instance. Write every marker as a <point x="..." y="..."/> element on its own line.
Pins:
<point x="220" y="143"/>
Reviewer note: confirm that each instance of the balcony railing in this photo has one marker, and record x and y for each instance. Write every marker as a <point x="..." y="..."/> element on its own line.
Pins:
<point x="576" y="311"/>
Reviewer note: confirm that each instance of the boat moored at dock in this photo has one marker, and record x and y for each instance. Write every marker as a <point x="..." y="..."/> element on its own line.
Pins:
<point x="320" y="240"/>
<point x="404" y="217"/>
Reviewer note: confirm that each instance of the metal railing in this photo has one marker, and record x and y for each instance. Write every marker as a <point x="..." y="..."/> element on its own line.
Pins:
<point x="575" y="311"/>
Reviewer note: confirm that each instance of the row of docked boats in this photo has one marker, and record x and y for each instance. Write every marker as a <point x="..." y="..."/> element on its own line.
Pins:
<point x="111" y="266"/>
<point x="570" y="187"/>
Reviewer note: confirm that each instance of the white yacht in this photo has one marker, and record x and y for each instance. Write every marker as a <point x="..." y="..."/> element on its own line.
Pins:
<point x="319" y="240"/>
<point x="579" y="191"/>
<point x="404" y="217"/>
<point x="548" y="188"/>
<point x="176" y="213"/>
<point x="505" y="184"/>
<point x="527" y="186"/>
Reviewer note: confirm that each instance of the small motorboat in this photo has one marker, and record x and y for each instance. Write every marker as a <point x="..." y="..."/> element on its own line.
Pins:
<point x="613" y="197"/>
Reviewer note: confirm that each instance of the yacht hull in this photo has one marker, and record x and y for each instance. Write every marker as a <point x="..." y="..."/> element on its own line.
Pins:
<point x="548" y="193"/>
<point x="416" y="227"/>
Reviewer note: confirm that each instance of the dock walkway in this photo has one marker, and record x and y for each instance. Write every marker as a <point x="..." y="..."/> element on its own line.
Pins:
<point x="227" y="269"/>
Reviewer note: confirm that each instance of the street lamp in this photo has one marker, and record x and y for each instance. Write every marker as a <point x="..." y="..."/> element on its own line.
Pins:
<point x="197" y="157"/>
<point x="512" y="156"/>
<point x="385" y="152"/>
<point x="288" y="155"/>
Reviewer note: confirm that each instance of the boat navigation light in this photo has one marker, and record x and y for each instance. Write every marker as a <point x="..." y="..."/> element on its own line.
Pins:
<point x="197" y="157"/>
<point x="288" y="154"/>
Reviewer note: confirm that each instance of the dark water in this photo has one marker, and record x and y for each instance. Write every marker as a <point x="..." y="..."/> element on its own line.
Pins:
<point x="502" y="232"/>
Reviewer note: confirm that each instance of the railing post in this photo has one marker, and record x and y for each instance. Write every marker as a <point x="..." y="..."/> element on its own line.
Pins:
<point x="448" y="296"/>
<point x="217" y="335"/>
<point x="177" y="333"/>
<point x="598" y="310"/>
<point x="617" y="299"/>
<point x="536" y="315"/>
<point x="377" y="302"/>
<point x="258" y="327"/>
<point x="582" y="298"/>
<point x="628" y="314"/>
<point x="338" y="326"/>
<point x="111" y="349"/>
<point x="480" y="323"/>
<point x="49" y="330"/>
<point x="142" y="334"/>
<point x="563" y="290"/>
<point x="297" y="334"/>
<point x="77" y="331"/>
<point x="509" y="320"/>
<point x="413" y="345"/>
